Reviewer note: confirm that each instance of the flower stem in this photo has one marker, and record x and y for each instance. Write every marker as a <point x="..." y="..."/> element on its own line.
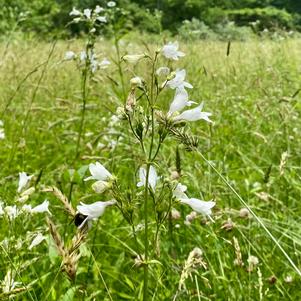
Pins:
<point x="149" y="161"/>
<point x="84" y="103"/>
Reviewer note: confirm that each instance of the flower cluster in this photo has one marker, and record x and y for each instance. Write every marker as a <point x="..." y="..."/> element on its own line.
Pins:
<point x="176" y="81"/>
<point x="91" y="15"/>
<point x="104" y="180"/>
<point x="90" y="58"/>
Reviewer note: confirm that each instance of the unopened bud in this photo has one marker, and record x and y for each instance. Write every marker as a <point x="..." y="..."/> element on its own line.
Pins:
<point x="100" y="186"/>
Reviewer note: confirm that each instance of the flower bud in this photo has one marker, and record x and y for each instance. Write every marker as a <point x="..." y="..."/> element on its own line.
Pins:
<point x="100" y="186"/>
<point x="136" y="81"/>
<point x="131" y="101"/>
<point x="175" y="214"/>
<point x="133" y="58"/>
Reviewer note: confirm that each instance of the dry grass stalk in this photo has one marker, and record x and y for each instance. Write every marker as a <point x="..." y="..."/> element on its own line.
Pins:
<point x="70" y="254"/>
<point x="193" y="262"/>
<point x="238" y="260"/>
<point x="283" y="162"/>
<point x="62" y="198"/>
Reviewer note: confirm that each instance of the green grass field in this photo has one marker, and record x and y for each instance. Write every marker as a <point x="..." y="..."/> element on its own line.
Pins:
<point x="254" y="142"/>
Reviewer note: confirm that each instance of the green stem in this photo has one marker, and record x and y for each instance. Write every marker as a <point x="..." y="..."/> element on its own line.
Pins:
<point x="119" y="66"/>
<point x="149" y="162"/>
<point x="84" y="103"/>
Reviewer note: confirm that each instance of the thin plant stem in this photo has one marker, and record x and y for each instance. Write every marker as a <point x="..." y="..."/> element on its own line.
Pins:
<point x="116" y="43"/>
<point x="149" y="161"/>
<point x="84" y="103"/>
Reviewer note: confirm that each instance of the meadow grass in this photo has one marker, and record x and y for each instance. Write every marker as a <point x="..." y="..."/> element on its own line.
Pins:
<point x="253" y="94"/>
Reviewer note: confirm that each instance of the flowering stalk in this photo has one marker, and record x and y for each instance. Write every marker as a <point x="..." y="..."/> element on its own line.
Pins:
<point x="84" y="79"/>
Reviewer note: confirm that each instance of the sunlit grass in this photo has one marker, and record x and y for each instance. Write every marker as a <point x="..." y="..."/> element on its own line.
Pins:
<point x="253" y="95"/>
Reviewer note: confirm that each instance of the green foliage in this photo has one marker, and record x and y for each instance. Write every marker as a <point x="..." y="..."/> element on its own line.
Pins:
<point x="49" y="17"/>
<point x="269" y="17"/>
<point x="254" y="96"/>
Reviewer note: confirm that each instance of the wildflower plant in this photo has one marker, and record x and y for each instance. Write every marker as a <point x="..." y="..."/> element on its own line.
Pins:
<point x="87" y="60"/>
<point x="153" y="199"/>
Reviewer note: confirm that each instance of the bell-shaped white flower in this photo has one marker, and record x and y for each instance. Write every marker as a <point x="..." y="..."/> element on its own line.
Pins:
<point x="23" y="180"/>
<point x="178" y="82"/>
<point x="193" y="115"/>
<point x="180" y="101"/>
<point x="75" y="12"/>
<point x="87" y="13"/>
<point x="93" y="211"/>
<point x="69" y="55"/>
<point x="102" y="19"/>
<point x="170" y="51"/>
<point x="41" y="208"/>
<point x="98" y="9"/>
<point x="179" y="191"/>
<point x="152" y="177"/>
<point x="37" y="240"/>
<point x="98" y="172"/>
<point x="199" y="205"/>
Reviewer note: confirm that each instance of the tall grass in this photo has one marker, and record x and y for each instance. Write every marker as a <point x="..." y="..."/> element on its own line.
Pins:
<point x="253" y="94"/>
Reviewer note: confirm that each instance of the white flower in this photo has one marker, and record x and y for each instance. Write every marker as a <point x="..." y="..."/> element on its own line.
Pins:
<point x="198" y="205"/>
<point x="41" y="208"/>
<point x="163" y="71"/>
<point x="133" y="58"/>
<point x="98" y="9"/>
<point x="37" y="240"/>
<point x="180" y="101"/>
<point x="152" y="177"/>
<point x="75" y="12"/>
<point x="23" y="180"/>
<point x="100" y="186"/>
<point x="193" y="115"/>
<point x="111" y="4"/>
<point x="179" y="191"/>
<point x="98" y="172"/>
<point x="170" y="51"/>
<point x="87" y="13"/>
<point x="102" y="19"/>
<point x="178" y="82"/>
<point x="69" y="55"/>
<point x="94" y="210"/>
<point x="104" y="64"/>
<point x="11" y="211"/>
